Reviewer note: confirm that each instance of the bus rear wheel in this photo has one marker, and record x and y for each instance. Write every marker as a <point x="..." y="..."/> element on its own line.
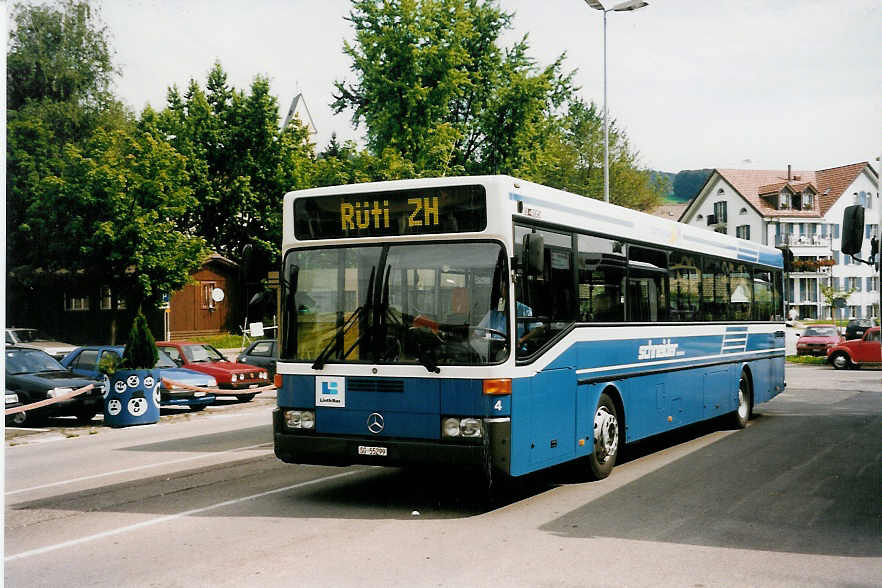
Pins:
<point x="741" y="415"/>
<point x="607" y="439"/>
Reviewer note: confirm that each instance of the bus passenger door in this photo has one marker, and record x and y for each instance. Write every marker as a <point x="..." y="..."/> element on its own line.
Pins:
<point x="552" y="417"/>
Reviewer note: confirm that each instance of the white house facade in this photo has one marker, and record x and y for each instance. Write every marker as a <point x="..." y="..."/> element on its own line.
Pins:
<point x="801" y="212"/>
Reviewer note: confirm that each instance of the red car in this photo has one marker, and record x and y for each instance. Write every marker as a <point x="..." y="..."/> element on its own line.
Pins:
<point x="238" y="378"/>
<point x="857" y="352"/>
<point x="817" y="339"/>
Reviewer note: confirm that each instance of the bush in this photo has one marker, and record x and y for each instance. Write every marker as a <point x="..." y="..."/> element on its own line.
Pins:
<point x="140" y="350"/>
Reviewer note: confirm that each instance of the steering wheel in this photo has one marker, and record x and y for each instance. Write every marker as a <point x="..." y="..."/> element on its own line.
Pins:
<point x="490" y="331"/>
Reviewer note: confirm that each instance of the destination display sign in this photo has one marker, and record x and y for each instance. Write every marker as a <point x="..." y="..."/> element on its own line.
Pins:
<point x="449" y="209"/>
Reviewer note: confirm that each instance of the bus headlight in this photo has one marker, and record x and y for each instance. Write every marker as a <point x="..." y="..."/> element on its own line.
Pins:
<point x="300" y="419"/>
<point x="470" y="427"/>
<point x="450" y="427"/>
<point x="466" y="427"/>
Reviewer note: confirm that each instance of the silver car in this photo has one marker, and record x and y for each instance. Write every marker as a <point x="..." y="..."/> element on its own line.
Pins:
<point x="34" y="339"/>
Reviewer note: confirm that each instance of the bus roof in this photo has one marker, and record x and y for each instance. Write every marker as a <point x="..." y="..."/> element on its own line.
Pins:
<point x="520" y="200"/>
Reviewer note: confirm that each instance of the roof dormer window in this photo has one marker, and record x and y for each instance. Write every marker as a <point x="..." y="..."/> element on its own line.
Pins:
<point x="808" y="200"/>
<point x="783" y="200"/>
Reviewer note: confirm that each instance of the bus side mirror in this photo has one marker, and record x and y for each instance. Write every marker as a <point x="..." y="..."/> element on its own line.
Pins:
<point x="788" y="260"/>
<point x="534" y="254"/>
<point x="852" y="229"/>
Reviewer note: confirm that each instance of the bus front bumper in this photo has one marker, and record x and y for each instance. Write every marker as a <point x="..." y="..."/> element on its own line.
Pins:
<point x="338" y="450"/>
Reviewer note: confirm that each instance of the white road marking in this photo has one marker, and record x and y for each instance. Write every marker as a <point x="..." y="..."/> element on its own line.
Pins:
<point x="133" y="469"/>
<point x="151" y="522"/>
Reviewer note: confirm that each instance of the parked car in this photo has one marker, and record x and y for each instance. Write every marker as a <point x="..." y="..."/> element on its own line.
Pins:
<point x="84" y="361"/>
<point x="263" y="354"/>
<point x="857" y="352"/>
<point x="817" y="339"/>
<point x="236" y="377"/>
<point x="34" y="375"/>
<point x="856" y="327"/>
<point x="37" y="340"/>
<point x="12" y="401"/>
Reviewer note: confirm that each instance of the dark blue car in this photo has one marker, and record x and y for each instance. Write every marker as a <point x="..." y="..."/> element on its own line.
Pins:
<point x="84" y="361"/>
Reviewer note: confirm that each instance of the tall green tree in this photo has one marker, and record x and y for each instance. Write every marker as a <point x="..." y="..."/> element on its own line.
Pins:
<point x="240" y="162"/>
<point x="572" y="160"/>
<point x="59" y="75"/>
<point x="113" y="211"/>
<point x="433" y="84"/>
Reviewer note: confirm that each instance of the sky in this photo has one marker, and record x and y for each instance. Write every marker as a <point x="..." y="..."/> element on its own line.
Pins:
<point x="695" y="83"/>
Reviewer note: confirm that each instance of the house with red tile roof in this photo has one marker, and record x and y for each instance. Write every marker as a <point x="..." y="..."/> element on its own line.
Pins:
<point x="800" y="211"/>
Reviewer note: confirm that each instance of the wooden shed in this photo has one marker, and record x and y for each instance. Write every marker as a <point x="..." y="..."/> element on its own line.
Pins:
<point x="208" y="306"/>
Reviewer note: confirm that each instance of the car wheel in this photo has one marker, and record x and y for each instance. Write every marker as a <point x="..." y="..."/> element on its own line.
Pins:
<point x="739" y="418"/>
<point x="197" y="407"/>
<point x="840" y="361"/>
<point x="86" y="416"/>
<point x="607" y="439"/>
<point x="245" y="397"/>
<point x="19" y="419"/>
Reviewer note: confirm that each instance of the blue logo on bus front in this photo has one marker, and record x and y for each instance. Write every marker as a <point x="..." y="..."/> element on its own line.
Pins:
<point x="330" y="391"/>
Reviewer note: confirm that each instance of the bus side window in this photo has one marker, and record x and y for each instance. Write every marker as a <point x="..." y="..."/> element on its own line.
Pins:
<point x="647" y="285"/>
<point x="601" y="273"/>
<point x="549" y="298"/>
<point x="714" y="290"/>
<point x="741" y="293"/>
<point x="685" y="286"/>
<point x="763" y="305"/>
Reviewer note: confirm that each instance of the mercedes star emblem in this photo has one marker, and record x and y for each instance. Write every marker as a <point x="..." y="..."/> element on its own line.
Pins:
<point x="375" y="423"/>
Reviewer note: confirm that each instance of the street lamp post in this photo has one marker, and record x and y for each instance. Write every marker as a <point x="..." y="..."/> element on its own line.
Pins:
<point x="626" y="6"/>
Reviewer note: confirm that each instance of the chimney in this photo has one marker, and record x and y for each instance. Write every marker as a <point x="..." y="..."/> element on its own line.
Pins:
<point x="788" y="172"/>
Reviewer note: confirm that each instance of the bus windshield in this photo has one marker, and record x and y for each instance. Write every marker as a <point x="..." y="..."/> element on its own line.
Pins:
<point x="434" y="304"/>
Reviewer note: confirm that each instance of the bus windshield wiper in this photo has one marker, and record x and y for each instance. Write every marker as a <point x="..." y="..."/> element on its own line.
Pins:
<point x="427" y="363"/>
<point x="336" y="340"/>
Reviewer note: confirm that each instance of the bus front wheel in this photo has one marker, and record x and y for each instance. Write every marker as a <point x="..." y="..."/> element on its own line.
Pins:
<point x="607" y="439"/>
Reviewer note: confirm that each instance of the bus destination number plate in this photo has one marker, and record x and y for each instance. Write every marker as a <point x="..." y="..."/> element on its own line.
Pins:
<point x="381" y="451"/>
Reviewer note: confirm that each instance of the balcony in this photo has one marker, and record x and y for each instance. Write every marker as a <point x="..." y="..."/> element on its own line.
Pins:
<point x="790" y="240"/>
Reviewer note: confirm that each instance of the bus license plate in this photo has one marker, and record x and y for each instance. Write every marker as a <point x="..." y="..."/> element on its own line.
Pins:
<point x="381" y="451"/>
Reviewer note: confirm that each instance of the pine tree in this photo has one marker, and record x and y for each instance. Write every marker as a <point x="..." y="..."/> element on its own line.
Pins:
<point x="140" y="352"/>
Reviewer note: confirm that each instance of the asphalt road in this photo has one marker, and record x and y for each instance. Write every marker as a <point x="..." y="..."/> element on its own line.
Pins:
<point x="793" y="500"/>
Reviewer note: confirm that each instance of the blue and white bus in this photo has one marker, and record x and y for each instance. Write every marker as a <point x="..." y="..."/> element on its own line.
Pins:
<point x="496" y="324"/>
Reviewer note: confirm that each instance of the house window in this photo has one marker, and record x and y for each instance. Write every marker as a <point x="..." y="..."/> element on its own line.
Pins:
<point x="720" y="211"/>
<point x="743" y="232"/>
<point x="106" y="300"/>
<point x="75" y="303"/>
<point x="207" y="302"/>
<point x="721" y="230"/>
<point x="783" y="200"/>
<point x="808" y="290"/>
<point x="808" y="200"/>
